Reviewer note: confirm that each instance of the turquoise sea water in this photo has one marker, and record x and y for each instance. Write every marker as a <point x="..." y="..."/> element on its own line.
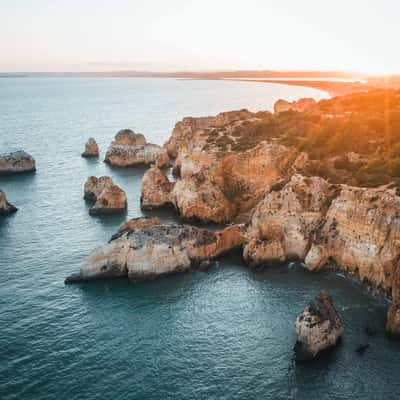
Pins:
<point x="226" y="333"/>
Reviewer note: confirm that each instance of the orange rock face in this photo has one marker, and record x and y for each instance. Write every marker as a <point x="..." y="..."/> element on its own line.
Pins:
<point x="109" y="198"/>
<point x="156" y="189"/>
<point x="223" y="170"/>
<point x="356" y="230"/>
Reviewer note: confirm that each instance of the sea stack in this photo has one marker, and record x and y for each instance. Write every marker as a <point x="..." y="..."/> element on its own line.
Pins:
<point x="156" y="189"/>
<point x="318" y="328"/>
<point x="5" y="206"/>
<point x="91" y="149"/>
<point x="109" y="198"/>
<point x="129" y="149"/>
<point x="16" y="162"/>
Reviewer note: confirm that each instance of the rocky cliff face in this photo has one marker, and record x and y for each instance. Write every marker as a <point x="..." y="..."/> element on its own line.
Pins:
<point x="16" y="162"/>
<point x="356" y="230"/>
<point x="5" y="206"/>
<point x="284" y="222"/>
<point x="152" y="250"/>
<point x="129" y="149"/>
<point x="108" y="197"/>
<point x="225" y="164"/>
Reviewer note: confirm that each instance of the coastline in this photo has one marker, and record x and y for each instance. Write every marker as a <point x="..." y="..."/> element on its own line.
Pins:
<point x="333" y="88"/>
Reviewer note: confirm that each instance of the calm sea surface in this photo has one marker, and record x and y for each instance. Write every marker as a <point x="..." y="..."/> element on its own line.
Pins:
<point x="226" y="333"/>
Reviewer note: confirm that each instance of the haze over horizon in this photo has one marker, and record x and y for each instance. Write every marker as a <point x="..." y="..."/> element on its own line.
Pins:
<point x="69" y="36"/>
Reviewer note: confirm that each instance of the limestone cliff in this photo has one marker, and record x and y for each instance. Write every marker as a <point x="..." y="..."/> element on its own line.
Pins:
<point x="356" y="230"/>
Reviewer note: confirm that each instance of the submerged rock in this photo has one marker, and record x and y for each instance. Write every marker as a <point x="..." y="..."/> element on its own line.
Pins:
<point x="361" y="349"/>
<point x="109" y="198"/>
<point x="156" y="189"/>
<point x="16" y="162"/>
<point x="318" y="328"/>
<point x="91" y="149"/>
<point x="153" y="251"/>
<point x="130" y="149"/>
<point x="5" y="206"/>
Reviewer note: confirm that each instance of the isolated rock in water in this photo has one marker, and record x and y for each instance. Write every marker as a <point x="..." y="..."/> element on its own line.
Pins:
<point x="156" y="189"/>
<point x="157" y="250"/>
<point x="109" y="198"/>
<point x="318" y="328"/>
<point x="16" y="162"/>
<point x="91" y="149"/>
<point x="129" y="149"/>
<point x="5" y="206"/>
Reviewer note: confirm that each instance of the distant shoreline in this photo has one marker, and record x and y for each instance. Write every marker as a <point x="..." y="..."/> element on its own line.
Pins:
<point x="332" y="82"/>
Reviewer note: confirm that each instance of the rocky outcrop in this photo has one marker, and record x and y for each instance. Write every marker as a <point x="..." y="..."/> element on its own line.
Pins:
<point x="188" y="129"/>
<point x="224" y="166"/>
<point x="355" y="230"/>
<point x="5" y="206"/>
<point x="157" y="250"/>
<point x="91" y="149"/>
<point x="108" y="197"/>
<point x="129" y="149"/>
<point x="156" y="189"/>
<point x="16" y="162"/>
<point x="283" y="224"/>
<point x="306" y="104"/>
<point x="318" y="328"/>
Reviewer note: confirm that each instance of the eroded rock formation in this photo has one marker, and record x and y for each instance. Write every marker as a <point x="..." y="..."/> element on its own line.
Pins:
<point x="356" y="230"/>
<point x="16" y="162"/>
<point x="318" y="328"/>
<point x="108" y="197"/>
<point x="157" y="250"/>
<point x="284" y="222"/>
<point x="225" y="164"/>
<point x="156" y="189"/>
<point x="91" y="149"/>
<point x="5" y="206"/>
<point x="129" y="149"/>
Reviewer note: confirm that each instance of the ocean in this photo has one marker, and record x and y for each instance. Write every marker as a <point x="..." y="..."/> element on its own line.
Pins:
<point x="225" y="333"/>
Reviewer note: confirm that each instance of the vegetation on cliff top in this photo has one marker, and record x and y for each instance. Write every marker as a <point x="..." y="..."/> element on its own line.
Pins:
<point x="349" y="139"/>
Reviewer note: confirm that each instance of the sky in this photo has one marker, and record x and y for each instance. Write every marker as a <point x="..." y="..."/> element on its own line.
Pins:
<point x="170" y="35"/>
